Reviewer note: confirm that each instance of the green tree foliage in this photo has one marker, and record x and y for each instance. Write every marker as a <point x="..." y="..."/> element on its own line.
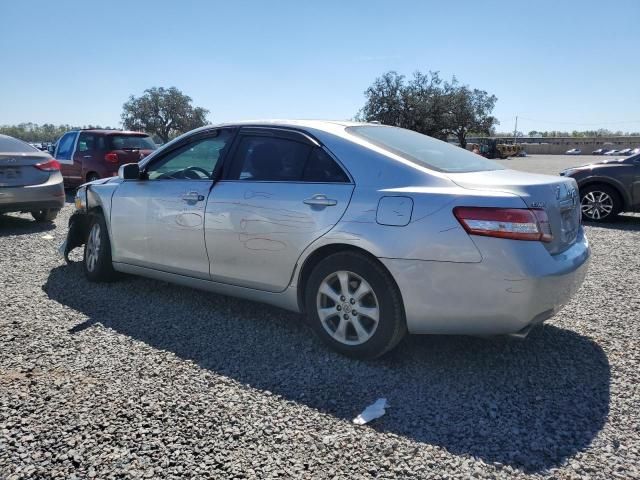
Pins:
<point x="165" y="112"/>
<point x="33" y="132"/>
<point x="427" y="104"/>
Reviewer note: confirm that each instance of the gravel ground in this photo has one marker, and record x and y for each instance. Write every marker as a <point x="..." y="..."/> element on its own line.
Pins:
<point x="141" y="379"/>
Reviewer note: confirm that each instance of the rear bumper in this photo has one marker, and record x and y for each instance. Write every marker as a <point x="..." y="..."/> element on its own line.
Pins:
<point x="516" y="285"/>
<point x="33" y="197"/>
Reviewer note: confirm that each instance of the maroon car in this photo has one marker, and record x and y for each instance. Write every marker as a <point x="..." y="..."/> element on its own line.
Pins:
<point x="87" y="155"/>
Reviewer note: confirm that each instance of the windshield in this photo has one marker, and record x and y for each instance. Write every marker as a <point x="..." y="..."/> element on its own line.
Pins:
<point x="132" y="142"/>
<point x="423" y="150"/>
<point x="13" y="145"/>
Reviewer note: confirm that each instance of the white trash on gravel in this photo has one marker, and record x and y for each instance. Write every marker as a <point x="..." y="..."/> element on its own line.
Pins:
<point x="373" y="411"/>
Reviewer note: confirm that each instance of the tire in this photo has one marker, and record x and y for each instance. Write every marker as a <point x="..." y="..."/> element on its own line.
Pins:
<point x="92" y="177"/>
<point x="96" y="261"/>
<point x="46" y="215"/>
<point x="600" y="203"/>
<point x="360" y="335"/>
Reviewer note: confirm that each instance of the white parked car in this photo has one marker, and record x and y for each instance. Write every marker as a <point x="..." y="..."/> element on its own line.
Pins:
<point x="574" y="151"/>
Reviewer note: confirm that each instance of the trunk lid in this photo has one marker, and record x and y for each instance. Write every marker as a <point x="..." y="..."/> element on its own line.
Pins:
<point x="558" y="196"/>
<point x="18" y="169"/>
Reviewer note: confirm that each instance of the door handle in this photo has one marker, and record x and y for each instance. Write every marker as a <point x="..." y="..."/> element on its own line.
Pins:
<point x="87" y="156"/>
<point x="320" y="200"/>
<point x="192" y="197"/>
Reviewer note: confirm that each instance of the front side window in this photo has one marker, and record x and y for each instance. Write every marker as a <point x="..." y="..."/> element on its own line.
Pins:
<point x="86" y="142"/>
<point x="194" y="161"/>
<point x="423" y="150"/>
<point x="65" y="146"/>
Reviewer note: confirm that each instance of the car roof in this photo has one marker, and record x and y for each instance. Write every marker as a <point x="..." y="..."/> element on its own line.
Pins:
<point x="107" y="131"/>
<point x="330" y="126"/>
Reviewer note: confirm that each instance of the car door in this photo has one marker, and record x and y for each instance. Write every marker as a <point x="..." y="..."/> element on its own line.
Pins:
<point x="635" y="189"/>
<point x="158" y="221"/>
<point x="85" y="154"/>
<point x="280" y="192"/>
<point x="64" y="154"/>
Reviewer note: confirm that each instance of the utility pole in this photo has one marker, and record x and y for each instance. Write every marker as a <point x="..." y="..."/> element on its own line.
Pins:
<point x="515" y="131"/>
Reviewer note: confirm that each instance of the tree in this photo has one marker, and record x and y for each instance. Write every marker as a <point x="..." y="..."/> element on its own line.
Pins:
<point x="166" y="113"/>
<point x="429" y="105"/>
<point x="468" y="111"/>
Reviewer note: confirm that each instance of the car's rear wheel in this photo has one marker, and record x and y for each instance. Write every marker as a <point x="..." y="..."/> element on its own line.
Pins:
<point x="354" y="305"/>
<point x="599" y="203"/>
<point x="92" y="176"/>
<point x="45" y="215"/>
<point x="97" y="263"/>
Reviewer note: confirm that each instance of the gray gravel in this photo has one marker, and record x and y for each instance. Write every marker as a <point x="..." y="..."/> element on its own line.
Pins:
<point x="141" y="379"/>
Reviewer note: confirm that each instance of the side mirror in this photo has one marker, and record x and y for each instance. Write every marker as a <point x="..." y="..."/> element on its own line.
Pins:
<point x="129" y="171"/>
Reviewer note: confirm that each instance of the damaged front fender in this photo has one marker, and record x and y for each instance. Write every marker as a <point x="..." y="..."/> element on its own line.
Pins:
<point x="77" y="234"/>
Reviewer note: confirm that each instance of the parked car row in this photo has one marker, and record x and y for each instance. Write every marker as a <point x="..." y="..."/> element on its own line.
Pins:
<point x="622" y="152"/>
<point x="372" y="231"/>
<point x="606" y="151"/>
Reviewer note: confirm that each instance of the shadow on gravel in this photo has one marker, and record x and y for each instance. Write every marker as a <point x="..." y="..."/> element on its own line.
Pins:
<point x="529" y="404"/>
<point x="629" y="223"/>
<point x="12" y="225"/>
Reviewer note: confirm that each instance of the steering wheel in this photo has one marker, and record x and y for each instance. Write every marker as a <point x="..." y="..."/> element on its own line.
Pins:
<point x="194" y="173"/>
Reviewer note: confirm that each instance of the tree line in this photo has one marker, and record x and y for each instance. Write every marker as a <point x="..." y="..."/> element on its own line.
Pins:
<point x="423" y="102"/>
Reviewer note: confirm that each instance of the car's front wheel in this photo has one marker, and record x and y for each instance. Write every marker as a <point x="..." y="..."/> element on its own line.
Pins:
<point x="97" y="252"/>
<point x="354" y="305"/>
<point x="45" y="215"/>
<point x="599" y="203"/>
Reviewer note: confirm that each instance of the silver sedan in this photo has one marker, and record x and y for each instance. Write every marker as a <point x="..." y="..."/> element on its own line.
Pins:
<point x="30" y="180"/>
<point x="371" y="231"/>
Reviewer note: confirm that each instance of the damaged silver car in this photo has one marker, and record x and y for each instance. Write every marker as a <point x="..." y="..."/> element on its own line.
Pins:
<point x="371" y="231"/>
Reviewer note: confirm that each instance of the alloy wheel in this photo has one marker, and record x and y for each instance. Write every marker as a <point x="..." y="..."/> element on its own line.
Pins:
<point x="597" y="205"/>
<point x="348" y="308"/>
<point x="93" y="247"/>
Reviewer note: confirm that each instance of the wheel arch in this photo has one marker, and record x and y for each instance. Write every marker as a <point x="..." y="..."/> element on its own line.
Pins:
<point x="323" y="251"/>
<point x="588" y="182"/>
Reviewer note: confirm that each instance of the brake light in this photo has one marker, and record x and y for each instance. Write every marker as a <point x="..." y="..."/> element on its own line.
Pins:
<point x="111" y="157"/>
<point x="48" y="166"/>
<point x="513" y="223"/>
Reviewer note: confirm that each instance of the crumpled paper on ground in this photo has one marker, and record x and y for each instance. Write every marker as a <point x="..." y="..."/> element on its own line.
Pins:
<point x="373" y="411"/>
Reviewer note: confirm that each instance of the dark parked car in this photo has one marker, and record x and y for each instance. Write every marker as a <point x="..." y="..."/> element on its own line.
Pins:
<point x="30" y="180"/>
<point x="608" y="188"/>
<point x="87" y="155"/>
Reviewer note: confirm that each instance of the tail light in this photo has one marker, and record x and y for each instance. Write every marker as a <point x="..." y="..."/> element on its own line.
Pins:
<point x="111" y="157"/>
<point x="514" y="223"/>
<point x="48" y="166"/>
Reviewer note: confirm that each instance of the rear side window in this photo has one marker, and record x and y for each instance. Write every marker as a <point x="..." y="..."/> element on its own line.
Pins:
<point x="131" y="142"/>
<point x="423" y="150"/>
<point x="13" y="145"/>
<point x="321" y="168"/>
<point x="65" y="146"/>
<point x="260" y="158"/>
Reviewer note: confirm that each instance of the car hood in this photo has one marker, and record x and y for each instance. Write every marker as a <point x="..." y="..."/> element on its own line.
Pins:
<point x="102" y="181"/>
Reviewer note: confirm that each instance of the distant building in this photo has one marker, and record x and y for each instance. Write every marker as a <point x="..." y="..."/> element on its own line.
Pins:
<point x="559" y="145"/>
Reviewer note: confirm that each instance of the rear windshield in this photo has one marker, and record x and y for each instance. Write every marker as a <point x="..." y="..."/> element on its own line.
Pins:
<point x="423" y="150"/>
<point x="131" y="142"/>
<point x="13" y="145"/>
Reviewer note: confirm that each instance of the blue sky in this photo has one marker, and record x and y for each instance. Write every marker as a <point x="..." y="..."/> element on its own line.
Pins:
<point x="557" y="64"/>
